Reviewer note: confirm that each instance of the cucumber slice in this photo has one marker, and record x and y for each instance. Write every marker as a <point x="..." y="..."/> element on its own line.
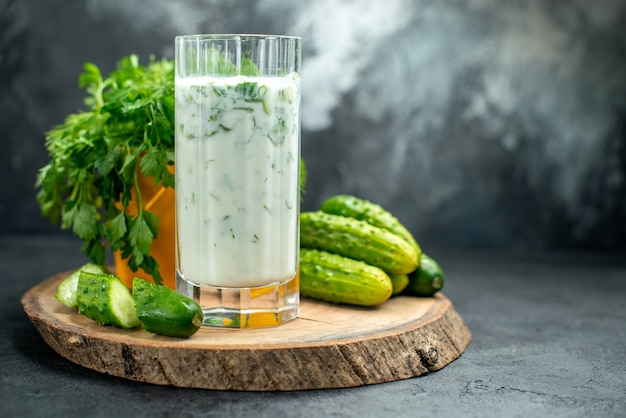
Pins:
<point x="66" y="292"/>
<point x="105" y="299"/>
<point x="164" y="311"/>
<point x="428" y="279"/>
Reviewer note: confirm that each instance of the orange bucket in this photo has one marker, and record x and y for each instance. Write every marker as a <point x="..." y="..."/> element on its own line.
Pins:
<point x="162" y="202"/>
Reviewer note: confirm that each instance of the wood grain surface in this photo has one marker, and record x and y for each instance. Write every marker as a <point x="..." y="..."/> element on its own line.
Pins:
<point x="327" y="346"/>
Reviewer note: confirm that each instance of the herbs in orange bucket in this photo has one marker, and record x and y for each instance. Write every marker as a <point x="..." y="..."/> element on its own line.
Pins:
<point x="110" y="162"/>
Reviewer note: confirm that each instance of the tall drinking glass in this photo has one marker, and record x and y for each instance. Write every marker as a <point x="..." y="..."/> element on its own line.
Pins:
<point x="237" y="177"/>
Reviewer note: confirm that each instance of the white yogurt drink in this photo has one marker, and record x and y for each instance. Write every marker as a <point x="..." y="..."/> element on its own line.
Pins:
<point x="237" y="133"/>
<point x="237" y="179"/>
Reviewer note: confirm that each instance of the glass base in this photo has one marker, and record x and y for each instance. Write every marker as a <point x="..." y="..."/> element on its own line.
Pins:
<point x="254" y="307"/>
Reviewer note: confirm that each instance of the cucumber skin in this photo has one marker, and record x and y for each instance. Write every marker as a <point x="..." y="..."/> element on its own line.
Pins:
<point x="96" y="294"/>
<point x="372" y="213"/>
<point x="164" y="311"/>
<point x="333" y="278"/>
<point x="358" y="240"/>
<point x="399" y="282"/>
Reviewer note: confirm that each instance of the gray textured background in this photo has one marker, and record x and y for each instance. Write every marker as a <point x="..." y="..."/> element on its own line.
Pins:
<point x="479" y="123"/>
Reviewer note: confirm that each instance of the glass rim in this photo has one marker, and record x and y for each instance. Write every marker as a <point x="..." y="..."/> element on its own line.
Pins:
<point x="231" y="36"/>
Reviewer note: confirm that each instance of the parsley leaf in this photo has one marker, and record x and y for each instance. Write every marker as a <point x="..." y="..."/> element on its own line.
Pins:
<point x="140" y="236"/>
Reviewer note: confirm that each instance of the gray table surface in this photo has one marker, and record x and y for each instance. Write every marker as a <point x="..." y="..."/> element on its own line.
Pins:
<point x="549" y="339"/>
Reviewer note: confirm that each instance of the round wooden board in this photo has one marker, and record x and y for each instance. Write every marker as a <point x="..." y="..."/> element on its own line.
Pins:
<point x="327" y="346"/>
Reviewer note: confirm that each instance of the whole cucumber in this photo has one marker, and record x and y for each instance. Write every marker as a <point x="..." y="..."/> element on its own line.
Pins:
<point x="358" y="240"/>
<point x="164" y="311"/>
<point x="337" y="279"/>
<point x="427" y="280"/>
<point x="372" y="213"/>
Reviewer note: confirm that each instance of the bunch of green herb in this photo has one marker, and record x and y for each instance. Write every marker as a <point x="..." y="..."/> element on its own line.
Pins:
<point x="95" y="157"/>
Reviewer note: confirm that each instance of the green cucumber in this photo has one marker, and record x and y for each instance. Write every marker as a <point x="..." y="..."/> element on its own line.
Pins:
<point x="105" y="299"/>
<point x="358" y="240"/>
<point x="333" y="278"/>
<point x="372" y="213"/>
<point x="399" y="282"/>
<point x="164" y="311"/>
<point x="427" y="280"/>
<point x="66" y="292"/>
